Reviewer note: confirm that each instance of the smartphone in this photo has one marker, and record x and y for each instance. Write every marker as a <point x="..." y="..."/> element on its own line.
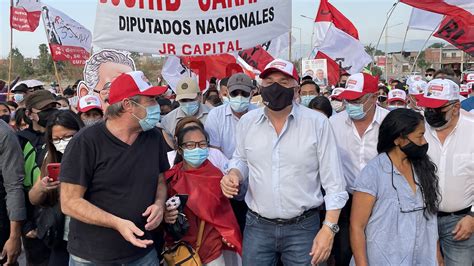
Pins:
<point x="53" y="170"/>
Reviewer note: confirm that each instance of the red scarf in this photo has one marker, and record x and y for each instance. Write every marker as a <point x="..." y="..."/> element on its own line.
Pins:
<point x="206" y="199"/>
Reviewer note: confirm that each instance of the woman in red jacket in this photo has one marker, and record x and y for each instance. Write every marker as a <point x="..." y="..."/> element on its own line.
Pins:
<point x="196" y="177"/>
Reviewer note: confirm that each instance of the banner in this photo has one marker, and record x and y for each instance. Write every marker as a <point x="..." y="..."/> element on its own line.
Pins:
<point x="317" y="69"/>
<point x="459" y="32"/>
<point x="25" y="15"/>
<point x="189" y="28"/>
<point x="68" y="40"/>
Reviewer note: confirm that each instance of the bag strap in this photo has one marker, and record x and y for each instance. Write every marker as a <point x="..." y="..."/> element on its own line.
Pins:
<point x="200" y="233"/>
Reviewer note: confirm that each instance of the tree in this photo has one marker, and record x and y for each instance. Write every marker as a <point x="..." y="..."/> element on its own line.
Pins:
<point x="376" y="71"/>
<point x="437" y="45"/>
<point x="422" y="63"/>
<point x="370" y="50"/>
<point x="45" y="64"/>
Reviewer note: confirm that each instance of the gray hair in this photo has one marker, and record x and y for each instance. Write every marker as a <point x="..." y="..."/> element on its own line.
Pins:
<point x="116" y="110"/>
<point x="91" y="69"/>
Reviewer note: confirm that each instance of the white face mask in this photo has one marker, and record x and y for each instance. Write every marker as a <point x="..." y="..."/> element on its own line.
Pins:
<point x="337" y="106"/>
<point x="61" y="146"/>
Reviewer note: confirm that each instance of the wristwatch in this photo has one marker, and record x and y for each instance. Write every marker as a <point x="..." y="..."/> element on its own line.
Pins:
<point x="334" y="227"/>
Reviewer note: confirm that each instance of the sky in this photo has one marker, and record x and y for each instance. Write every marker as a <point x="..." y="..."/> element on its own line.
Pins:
<point x="368" y="16"/>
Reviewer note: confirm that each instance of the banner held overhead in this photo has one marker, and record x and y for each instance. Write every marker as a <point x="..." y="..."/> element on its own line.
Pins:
<point x="189" y="28"/>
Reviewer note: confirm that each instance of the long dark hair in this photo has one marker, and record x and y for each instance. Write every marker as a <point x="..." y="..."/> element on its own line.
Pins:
<point x="180" y="139"/>
<point x="65" y="118"/>
<point x="400" y="123"/>
<point x="323" y="104"/>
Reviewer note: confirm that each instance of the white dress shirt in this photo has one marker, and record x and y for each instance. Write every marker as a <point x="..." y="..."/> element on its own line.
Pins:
<point x="220" y="125"/>
<point x="285" y="172"/>
<point x="455" y="161"/>
<point x="356" y="151"/>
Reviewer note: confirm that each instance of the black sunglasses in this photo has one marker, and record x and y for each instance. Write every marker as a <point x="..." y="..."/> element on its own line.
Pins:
<point x="242" y="93"/>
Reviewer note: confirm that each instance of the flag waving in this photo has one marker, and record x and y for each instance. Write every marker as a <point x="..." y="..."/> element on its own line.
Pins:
<point x="338" y="40"/>
<point x="25" y="15"/>
<point x="68" y="40"/>
<point x="458" y="25"/>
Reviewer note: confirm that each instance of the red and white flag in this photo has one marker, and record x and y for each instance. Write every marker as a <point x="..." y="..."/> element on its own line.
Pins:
<point x="424" y="20"/>
<point x="458" y="25"/>
<point x="68" y="40"/>
<point x="25" y="15"/>
<point x="338" y="40"/>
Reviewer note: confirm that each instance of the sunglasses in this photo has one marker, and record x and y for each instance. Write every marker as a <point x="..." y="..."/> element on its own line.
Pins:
<point x="239" y="93"/>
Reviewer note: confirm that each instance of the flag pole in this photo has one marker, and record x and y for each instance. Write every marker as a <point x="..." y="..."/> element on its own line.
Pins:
<point x="56" y="73"/>
<point x="11" y="57"/>
<point x="389" y="14"/>
<point x="422" y="48"/>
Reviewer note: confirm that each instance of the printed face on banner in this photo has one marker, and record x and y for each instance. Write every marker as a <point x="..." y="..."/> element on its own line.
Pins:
<point x="189" y="28"/>
<point x="316" y="68"/>
<point x="101" y="70"/>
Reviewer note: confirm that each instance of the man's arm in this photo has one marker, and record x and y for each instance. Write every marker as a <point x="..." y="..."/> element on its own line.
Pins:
<point x="156" y="210"/>
<point x="74" y="205"/>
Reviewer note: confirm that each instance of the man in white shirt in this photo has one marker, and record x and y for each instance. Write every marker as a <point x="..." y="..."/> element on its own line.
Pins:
<point x="449" y="133"/>
<point x="285" y="152"/>
<point x="356" y="130"/>
<point x="222" y="121"/>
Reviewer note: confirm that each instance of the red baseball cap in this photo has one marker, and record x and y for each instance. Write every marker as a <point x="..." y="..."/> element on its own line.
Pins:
<point x="439" y="93"/>
<point x="88" y="103"/>
<point x="280" y="65"/>
<point x="397" y="95"/>
<point x="132" y="84"/>
<point x="358" y="85"/>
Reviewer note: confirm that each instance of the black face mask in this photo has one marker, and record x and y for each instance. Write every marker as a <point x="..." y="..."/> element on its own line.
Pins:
<point x="276" y="97"/>
<point x="435" y="117"/>
<point x="413" y="151"/>
<point x="45" y="115"/>
<point x="5" y="118"/>
<point x="382" y="98"/>
<point x="342" y="85"/>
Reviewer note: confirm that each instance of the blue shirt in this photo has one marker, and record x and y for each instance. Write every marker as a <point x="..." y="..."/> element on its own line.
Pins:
<point x="468" y="104"/>
<point x="392" y="236"/>
<point x="285" y="172"/>
<point x="220" y="125"/>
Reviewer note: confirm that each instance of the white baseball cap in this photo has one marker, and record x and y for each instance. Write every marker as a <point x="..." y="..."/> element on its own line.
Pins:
<point x="465" y="89"/>
<point x="417" y="88"/>
<point x="88" y="103"/>
<point x="131" y="84"/>
<point x="358" y="85"/>
<point x="470" y="77"/>
<point x="335" y="93"/>
<point x="439" y="93"/>
<point x="413" y="78"/>
<point x="397" y="95"/>
<point x="280" y="65"/>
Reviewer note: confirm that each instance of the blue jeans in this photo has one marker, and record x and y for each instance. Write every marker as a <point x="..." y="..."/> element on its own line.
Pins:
<point x="264" y="241"/>
<point x="151" y="259"/>
<point x="455" y="252"/>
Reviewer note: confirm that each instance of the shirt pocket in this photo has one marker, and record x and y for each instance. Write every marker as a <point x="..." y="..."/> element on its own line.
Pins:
<point x="463" y="164"/>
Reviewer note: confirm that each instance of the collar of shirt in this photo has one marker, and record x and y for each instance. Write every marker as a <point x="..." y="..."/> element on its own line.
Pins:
<point x="432" y="131"/>
<point x="203" y="109"/>
<point x="378" y="116"/>
<point x="263" y="115"/>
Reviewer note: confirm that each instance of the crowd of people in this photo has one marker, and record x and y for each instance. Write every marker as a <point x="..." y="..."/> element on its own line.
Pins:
<point x="273" y="171"/>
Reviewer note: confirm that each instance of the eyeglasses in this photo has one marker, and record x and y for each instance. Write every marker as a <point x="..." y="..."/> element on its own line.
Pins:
<point x="58" y="140"/>
<point x="428" y="75"/>
<point x="190" y="145"/>
<point x="440" y="109"/>
<point x="239" y="93"/>
<point x="410" y="210"/>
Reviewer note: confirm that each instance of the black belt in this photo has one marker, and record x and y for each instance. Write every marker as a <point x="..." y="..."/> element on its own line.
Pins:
<point x="294" y="220"/>
<point x="461" y="212"/>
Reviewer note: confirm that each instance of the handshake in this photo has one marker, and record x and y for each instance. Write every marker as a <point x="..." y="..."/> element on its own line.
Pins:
<point x="230" y="183"/>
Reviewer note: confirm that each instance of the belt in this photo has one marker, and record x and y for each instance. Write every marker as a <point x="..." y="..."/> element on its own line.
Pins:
<point x="294" y="220"/>
<point x="461" y="212"/>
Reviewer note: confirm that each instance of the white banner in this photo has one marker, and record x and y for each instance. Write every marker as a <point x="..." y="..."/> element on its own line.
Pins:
<point x="65" y="31"/>
<point x="424" y="20"/>
<point x="189" y="28"/>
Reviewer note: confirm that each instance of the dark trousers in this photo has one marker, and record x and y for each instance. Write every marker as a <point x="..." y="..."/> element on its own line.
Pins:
<point x="240" y="211"/>
<point x="342" y="246"/>
<point x="59" y="255"/>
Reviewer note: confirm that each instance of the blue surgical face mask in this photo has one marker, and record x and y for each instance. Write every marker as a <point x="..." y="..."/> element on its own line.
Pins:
<point x="355" y="111"/>
<point x="305" y="100"/>
<point x="225" y="99"/>
<point x="153" y="116"/>
<point x="393" y="107"/>
<point x="18" y="97"/>
<point x="239" y="104"/>
<point x="195" y="157"/>
<point x="189" y="108"/>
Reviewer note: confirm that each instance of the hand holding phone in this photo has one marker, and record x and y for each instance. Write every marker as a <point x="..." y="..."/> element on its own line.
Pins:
<point x="53" y="171"/>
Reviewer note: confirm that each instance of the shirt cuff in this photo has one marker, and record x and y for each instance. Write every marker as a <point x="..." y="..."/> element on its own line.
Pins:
<point x="336" y="201"/>
<point x="241" y="166"/>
